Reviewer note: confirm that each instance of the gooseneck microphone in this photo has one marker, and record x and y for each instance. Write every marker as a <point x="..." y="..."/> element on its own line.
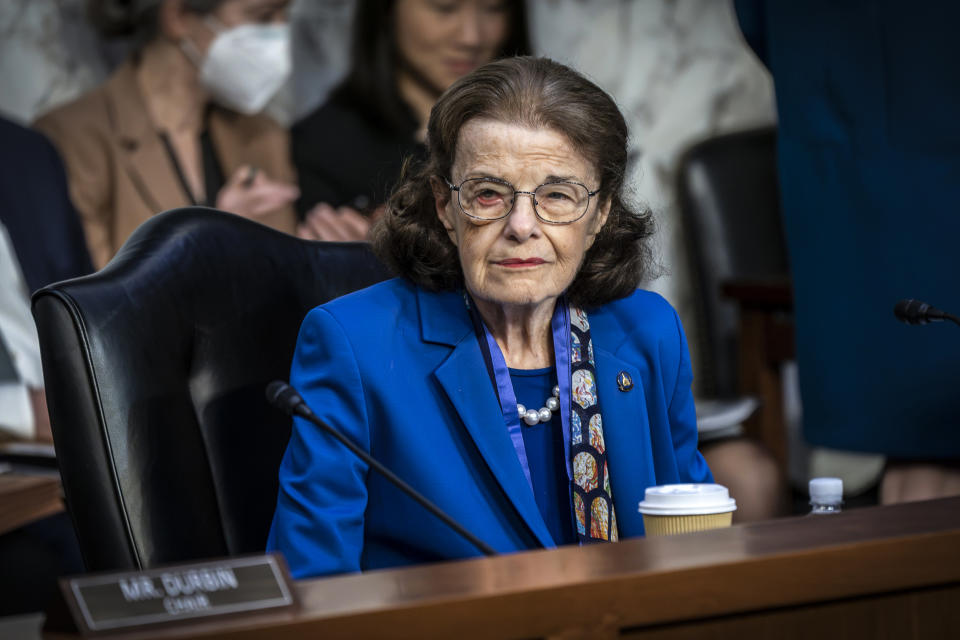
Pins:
<point x="915" y="312"/>
<point x="284" y="397"/>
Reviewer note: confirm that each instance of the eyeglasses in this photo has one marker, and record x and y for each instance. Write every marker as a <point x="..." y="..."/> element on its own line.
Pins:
<point x="492" y="199"/>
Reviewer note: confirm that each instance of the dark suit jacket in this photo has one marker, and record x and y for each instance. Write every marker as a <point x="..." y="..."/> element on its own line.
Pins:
<point x="400" y="371"/>
<point x="36" y="210"/>
<point x="343" y="157"/>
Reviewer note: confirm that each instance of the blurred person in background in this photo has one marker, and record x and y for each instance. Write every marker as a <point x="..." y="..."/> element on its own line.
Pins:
<point x="35" y="554"/>
<point x="179" y="123"/>
<point x="348" y="152"/>
<point x="40" y="242"/>
<point x="40" y="220"/>
<point x="869" y="165"/>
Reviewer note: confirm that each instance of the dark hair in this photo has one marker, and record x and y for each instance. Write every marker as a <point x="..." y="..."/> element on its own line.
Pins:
<point x="137" y="19"/>
<point x="371" y="84"/>
<point x="537" y="93"/>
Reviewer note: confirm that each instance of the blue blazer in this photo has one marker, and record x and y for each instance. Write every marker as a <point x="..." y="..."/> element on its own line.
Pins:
<point x="400" y="371"/>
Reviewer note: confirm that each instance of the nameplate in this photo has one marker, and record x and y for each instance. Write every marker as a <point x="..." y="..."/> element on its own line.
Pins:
<point x="107" y="602"/>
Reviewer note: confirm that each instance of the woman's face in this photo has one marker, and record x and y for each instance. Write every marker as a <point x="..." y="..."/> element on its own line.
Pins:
<point x="519" y="259"/>
<point x="442" y="40"/>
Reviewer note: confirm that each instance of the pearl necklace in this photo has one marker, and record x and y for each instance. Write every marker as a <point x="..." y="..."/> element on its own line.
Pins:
<point x="545" y="414"/>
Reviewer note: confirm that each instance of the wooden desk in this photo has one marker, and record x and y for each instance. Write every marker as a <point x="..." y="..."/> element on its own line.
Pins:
<point x="766" y="342"/>
<point x="891" y="572"/>
<point x="25" y="498"/>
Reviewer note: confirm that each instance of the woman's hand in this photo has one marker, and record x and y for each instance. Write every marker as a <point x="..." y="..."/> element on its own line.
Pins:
<point x="343" y="224"/>
<point x="250" y="193"/>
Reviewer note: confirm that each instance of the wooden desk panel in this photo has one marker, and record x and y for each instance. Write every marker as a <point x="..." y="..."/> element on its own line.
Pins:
<point x="918" y="615"/>
<point x="26" y="498"/>
<point x="795" y="575"/>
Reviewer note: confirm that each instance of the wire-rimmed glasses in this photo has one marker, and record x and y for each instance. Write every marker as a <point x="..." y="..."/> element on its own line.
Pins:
<point x="558" y="202"/>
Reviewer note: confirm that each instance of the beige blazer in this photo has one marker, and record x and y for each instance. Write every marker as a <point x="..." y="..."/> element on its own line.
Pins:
<point x="120" y="173"/>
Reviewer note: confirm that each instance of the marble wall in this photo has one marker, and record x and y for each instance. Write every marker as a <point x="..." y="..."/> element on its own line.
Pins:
<point x="321" y="51"/>
<point x="48" y="55"/>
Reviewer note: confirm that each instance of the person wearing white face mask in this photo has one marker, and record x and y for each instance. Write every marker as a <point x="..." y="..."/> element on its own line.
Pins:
<point x="179" y="123"/>
<point x="244" y="65"/>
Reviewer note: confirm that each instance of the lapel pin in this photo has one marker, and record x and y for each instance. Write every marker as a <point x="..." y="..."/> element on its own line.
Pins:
<point x="624" y="381"/>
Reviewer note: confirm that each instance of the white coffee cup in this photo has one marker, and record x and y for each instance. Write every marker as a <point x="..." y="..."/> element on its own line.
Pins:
<point x="682" y="508"/>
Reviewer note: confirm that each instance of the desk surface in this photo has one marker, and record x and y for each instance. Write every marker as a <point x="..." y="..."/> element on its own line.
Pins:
<point x="25" y="498"/>
<point x="636" y="584"/>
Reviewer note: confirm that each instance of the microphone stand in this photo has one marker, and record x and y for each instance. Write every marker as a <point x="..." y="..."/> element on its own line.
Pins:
<point x="286" y="398"/>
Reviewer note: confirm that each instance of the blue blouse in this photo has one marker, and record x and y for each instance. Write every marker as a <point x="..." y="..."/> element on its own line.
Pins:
<point x="544" y="445"/>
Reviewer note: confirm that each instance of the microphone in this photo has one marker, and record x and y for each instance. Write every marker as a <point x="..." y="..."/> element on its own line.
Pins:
<point x="913" y="311"/>
<point x="284" y="397"/>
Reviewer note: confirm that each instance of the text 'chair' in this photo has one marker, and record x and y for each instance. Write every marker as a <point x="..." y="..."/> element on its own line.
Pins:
<point x="155" y="370"/>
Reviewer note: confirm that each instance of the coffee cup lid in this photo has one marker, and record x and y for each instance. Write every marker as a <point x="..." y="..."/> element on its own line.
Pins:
<point x="687" y="499"/>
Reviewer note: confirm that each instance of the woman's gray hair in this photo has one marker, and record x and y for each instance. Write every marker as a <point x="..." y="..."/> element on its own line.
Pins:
<point x="540" y="94"/>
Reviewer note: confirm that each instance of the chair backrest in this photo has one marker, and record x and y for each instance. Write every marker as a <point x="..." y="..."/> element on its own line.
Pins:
<point x="730" y="207"/>
<point x="155" y="369"/>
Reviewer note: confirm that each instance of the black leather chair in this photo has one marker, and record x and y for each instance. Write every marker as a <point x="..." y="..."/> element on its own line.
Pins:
<point x="155" y="370"/>
<point x="730" y="208"/>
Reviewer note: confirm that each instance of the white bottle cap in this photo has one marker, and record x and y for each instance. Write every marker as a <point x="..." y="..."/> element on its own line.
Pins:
<point x="826" y="490"/>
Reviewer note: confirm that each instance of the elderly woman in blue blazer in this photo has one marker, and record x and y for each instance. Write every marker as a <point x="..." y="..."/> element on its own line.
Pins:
<point x="513" y="373"/>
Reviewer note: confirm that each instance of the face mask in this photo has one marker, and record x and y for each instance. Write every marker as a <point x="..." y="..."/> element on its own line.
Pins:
<point x="245" y="65"/>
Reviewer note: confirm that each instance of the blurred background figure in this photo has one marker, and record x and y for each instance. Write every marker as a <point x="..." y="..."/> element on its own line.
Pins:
<point x="869" y="163"/>
<point x="42" y="225"/>
<point x="23" y="407"/>
<point x="40" y="242"/>
<point x="405" y="53"/>
<point x="178" y="123"/>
